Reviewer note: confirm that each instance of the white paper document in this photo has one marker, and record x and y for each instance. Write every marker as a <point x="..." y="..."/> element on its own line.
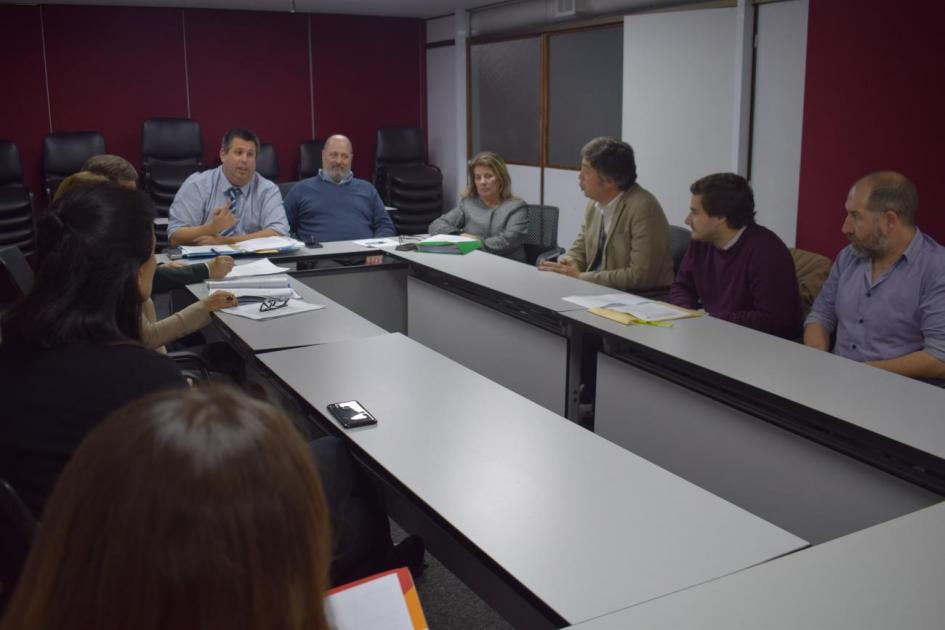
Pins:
<point x="447" y="238"/>
<point x="375" y="604"/>
<point x="256" y="268"/>
<point x="651" y="311"/>
<point x="388" y="241"/>
<point x="265" y="243"/>
<point x="606" y="301"/>
<point x="208" y="250"/>
<point x="292" y="307"/>
<point x="250" y="282"/>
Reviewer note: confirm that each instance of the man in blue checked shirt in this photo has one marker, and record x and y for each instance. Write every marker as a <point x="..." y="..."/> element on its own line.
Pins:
<point x="885" y="297"/>
<point x="230" y="203"/>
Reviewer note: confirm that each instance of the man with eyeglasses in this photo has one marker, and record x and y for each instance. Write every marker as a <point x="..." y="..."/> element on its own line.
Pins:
<point x="230" y="203"/>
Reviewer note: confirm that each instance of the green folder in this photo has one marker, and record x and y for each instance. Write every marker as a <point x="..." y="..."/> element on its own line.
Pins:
<point x="448" y="247"/>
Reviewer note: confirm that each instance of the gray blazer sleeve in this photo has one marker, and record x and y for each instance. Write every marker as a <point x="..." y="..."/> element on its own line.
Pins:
<point x="512" y="233"/>
<point x="452" y="221"/>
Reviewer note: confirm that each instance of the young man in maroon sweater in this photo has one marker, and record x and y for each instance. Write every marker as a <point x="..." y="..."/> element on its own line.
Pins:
<point x="734" y="268"/>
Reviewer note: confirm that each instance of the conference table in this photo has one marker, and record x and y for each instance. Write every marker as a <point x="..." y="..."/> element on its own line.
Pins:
<point x="887" y="576"/>
<point x="548" y="522"/>
<point x="817" y="445"/>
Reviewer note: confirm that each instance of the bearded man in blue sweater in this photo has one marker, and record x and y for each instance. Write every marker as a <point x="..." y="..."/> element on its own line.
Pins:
<point x="334" y="205"/>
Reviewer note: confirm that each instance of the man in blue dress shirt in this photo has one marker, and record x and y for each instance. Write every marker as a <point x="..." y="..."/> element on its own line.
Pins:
<point x="885" y="296"/>
<point x="230" y="203"/>
<point x="334" y="205"/>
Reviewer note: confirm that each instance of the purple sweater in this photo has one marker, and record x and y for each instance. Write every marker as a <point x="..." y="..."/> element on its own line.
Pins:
<point x="753" y="283"/>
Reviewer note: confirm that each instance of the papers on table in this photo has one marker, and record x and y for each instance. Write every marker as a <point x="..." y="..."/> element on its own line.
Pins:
<point x="255" y="268"/>
<point x="388" y="241"/>
<point x="252" y="282"/>
<point x="292" y="307"/>
<point x="386" y="600"/>
<point x="201" y="251"/>
<point x="252" y="246"/>
<point x="605" y="301"/>
<point x="627" y="308"/>
<point x="448" y="238"/>
<point x="247" y="296"/>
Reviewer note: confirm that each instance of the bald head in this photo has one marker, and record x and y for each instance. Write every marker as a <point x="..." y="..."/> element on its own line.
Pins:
<point x="336" y="157"/>
<point x="889" y="190"/>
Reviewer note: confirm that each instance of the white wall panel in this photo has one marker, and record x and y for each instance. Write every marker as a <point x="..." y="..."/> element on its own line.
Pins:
<point x="678" y="99"/>
<point x="526" y="182"/>
<point x="562" y="190"/>
<point x="778" y="114"/>
<point x="440" y="29"/>
<point x="441" y="117"/>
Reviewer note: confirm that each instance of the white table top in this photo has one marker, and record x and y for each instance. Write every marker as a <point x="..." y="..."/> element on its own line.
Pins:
<point x="887" y="576"/>
<point x="512" y="278"/>
<point x="327" y="325"/>
<point x="902" y="409"/>
<point x="586" y="526"/>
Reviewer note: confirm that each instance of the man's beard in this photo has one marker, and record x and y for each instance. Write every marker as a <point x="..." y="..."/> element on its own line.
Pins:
<point x="338" y="173"/>
<point x="875" y="246"/>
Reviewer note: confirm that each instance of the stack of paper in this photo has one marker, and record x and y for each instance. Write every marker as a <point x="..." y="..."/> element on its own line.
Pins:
<point x="250" y="282"/>
<point x="387" y="600"/>
<point x="266" y="244"/>
<point x="627" y="308"/>
<point x="255" y="268"/>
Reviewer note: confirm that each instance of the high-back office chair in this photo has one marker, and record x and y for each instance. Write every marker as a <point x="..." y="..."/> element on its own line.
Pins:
<point x="541" y="240"/>
<point x="285" y="187"/>
<point x="16" y="203"/>
<point x="267" y="164"/>
<point x="812" y="270"/>
<point x="17" y="269"/>
<point x="310" y="158"/>
<point x="171" y="151"/>
<point x="64" y="153"/>
<point x="405" y="181"/>
<point x="17" y="528"/>
<point x="679" y="238"/>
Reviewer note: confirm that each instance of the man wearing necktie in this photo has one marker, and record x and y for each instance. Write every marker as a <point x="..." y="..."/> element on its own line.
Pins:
<point x="624" y="239"/>
<point x="230" y="203"/>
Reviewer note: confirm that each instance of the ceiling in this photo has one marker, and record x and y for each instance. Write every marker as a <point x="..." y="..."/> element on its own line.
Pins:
<point x="399" y="8"/>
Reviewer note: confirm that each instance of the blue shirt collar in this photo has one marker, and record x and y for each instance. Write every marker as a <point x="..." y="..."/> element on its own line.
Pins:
<point x="344" y="180"/>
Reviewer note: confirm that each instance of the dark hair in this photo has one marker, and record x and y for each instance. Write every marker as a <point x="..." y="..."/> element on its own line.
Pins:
<point x="892" y="191"/>
<point x="113" y="167"/>
<point x="82" y="178"/>
<point x="188" y="510"/>
<point x="242" y="134"/>
<point x="613" y="160"/>
<point x="90" y="246"/>
<point x="726" y="195"/>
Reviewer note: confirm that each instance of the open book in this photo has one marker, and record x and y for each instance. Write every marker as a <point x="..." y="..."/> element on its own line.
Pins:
<point x="386" y="600"/>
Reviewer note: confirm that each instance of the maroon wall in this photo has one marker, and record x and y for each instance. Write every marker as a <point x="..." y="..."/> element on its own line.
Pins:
<point x="873" y="100"/>
<point x="24" y="116"/>
<point x="361" y="87"/>
<point x="110" y="68"/>
<point x="250" y="69"/>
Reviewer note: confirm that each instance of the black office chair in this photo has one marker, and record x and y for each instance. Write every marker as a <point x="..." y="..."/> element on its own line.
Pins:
<point x="16" y="202"/>
<point x="64" y="153"/>
<point x="267" y="164"/>
<point x="541" y="240"/>
<point x="405" y="181"/>
<point x="310" y="158"/>
<point x="17" y="269"/>
<point x="17" y="528"/>
<point x="679" y="238"/>
<point x="285" y="187"/>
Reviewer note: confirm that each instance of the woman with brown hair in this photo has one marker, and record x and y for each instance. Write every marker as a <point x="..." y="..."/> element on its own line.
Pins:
<point x="189" y="510"/>
<point x="487" y="210"/>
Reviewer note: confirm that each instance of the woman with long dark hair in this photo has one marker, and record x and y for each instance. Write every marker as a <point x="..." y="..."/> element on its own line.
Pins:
<point x="70" y="352"/>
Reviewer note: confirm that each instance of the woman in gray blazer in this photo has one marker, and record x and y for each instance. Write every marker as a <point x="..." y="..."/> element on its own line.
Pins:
<point x="487" y="210"/>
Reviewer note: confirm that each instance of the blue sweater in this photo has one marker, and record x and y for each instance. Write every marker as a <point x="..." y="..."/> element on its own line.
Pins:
<point x="336" y="212"/>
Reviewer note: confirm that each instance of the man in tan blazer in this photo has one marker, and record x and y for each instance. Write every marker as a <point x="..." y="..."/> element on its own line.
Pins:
<point x="624" y="239"/>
